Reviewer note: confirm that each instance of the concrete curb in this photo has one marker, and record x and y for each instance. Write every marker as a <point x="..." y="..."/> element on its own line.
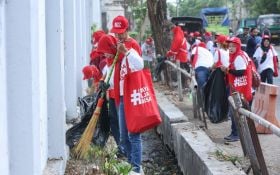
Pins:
<point x="193" y="148"/>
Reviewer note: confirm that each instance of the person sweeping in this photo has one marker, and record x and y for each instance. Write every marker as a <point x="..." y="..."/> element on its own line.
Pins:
<point x="109" y="43"/>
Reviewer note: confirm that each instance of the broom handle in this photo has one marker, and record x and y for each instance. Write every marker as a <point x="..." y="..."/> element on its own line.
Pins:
<point x="111" y="72"/>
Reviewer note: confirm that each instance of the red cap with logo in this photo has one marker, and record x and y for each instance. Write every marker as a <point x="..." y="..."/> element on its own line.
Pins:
<point x="120" y="25"/>
<point x="107" y="44"/>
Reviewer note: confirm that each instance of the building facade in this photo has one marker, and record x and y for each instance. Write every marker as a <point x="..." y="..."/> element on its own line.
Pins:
<point x="43" y="46"/>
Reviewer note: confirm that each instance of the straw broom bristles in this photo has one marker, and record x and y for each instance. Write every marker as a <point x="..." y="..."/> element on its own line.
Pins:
<point x="83" y="146"/>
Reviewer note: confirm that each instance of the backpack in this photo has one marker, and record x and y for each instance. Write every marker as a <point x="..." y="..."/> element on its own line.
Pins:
<point x="256" y="78"/>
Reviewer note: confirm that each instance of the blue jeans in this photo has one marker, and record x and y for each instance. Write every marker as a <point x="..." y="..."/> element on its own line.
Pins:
<point x="201" y="75"/>
<point x="234" y="130"/>
<point x="114" y="121"/>
<point x="130" y="142"/>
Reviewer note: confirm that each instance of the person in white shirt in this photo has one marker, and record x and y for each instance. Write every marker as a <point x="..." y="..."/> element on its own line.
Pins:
<point x="209" y="42"/>
<point x="148" y="53"/>
<point x="221" y="54"/>
<point x="264" y="56"/>
<point x="202" y="60"/>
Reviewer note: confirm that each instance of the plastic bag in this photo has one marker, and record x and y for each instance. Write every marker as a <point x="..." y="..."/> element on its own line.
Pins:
<point x="102" y="130"/>
<point x="215" y="96"/>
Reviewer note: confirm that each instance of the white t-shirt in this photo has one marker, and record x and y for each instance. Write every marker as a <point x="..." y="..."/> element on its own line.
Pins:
<point x="205" y="58"/>
<point x="210" y="46"/>
<point x="268" y="63"/>
<point x="111" y="81"/>
<point x="240" y="63"/>
<point x="148" y="52"/>
<point x="224" y="57"/>
<point x="135" y="62"/>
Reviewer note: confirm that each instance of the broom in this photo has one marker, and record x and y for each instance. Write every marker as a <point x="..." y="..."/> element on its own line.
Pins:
<point x="83" y="145"/>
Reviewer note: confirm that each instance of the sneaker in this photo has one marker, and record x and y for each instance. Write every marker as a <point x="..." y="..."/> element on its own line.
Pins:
<point x="232" y="138"/>
<point x="228" y="137"/>
<point x="121" y="155"/>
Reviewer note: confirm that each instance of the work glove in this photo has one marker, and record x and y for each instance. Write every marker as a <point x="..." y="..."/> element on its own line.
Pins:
<point x="103" y="85"/>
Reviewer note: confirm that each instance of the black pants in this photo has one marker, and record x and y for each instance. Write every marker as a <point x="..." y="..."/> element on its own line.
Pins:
<point x="267" y="76"/>
<point x="185" y="66"/>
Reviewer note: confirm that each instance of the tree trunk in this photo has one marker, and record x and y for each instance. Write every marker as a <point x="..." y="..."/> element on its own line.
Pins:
<point x="157" y="10"/>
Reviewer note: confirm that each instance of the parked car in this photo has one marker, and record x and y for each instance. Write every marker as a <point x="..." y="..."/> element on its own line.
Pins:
<point x="269" y="24"/>
<point x="190" y="24"/>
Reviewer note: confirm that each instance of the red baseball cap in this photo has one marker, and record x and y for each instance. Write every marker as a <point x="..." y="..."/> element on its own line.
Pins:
<point x="208" y="34"/>
<point x="94" y="54"/>
<point x="149" y="40"/>
<point x="97" y="35"/>
<point x="235" y="40"/>
<point x="202" y="44"/>
<point x="196" y="34"/>
<point x="120" y="25"/>
<point x="107" y="44"/>
<point x="87" y="72"/>
<point x="90" y="71"/>
<point x="221" y="38"/>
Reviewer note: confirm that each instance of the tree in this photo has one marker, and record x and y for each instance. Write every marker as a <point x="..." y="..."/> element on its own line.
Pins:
<point x="260" y="7"/>
<point x="157" y="11"/>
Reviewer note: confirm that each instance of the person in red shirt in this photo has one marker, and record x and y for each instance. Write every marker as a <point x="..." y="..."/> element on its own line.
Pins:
<point x="239" y="78"/>
<point x="128" y="48"/>
<point x="178" y="50"/>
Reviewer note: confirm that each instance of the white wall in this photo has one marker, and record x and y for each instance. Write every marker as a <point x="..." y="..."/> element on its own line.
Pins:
<point x="70" y="59"/>
<point x="79" y="41"/>
<point x="4" y="156"/>
<point x="96" y="13"/>
<point x="39" y="74"/>
<point x="25" y="51"/>
<point x="33" y="65"/>
<point x="55" y="78"/>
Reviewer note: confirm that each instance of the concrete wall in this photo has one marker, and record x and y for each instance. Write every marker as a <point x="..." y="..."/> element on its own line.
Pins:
<point x="4" y="151"/>
<point x="96" y="13"/>
<point x="55" y="74"/>
<point x="40" y="69"/>
<point x="26" y="85"/>
<point x="70" y="37"/>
